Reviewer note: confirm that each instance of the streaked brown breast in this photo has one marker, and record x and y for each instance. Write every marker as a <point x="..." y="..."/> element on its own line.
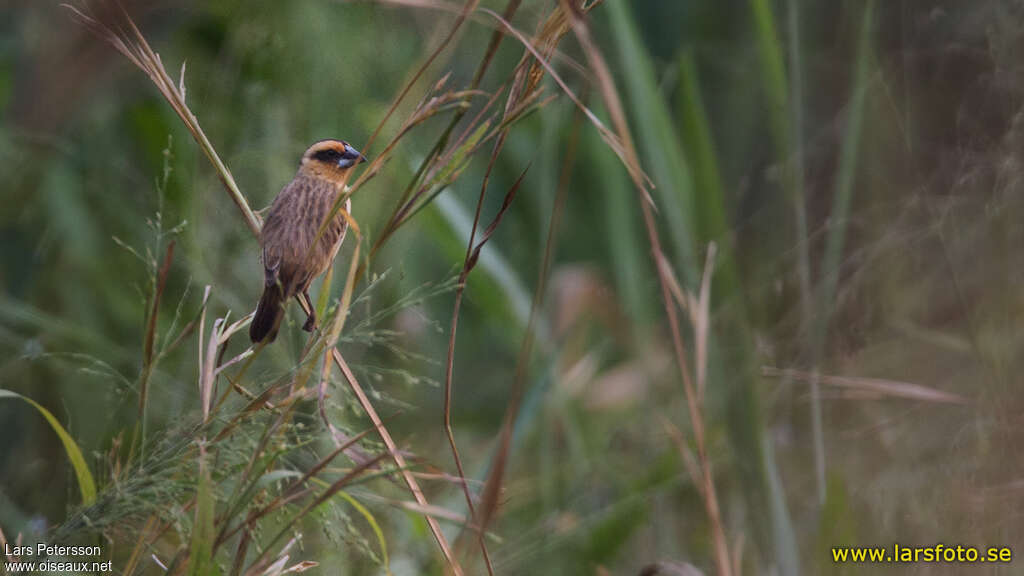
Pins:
<point x="291" y="227"/>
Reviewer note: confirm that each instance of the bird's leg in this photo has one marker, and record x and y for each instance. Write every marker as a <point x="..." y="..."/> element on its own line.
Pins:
<point x="310" y="324"/>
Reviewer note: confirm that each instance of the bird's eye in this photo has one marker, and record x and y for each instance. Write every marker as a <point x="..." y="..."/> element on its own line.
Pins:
<point x="329" y="155"/>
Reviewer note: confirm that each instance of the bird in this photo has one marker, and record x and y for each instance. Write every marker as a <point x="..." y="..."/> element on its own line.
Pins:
<point x="291" y="260"/>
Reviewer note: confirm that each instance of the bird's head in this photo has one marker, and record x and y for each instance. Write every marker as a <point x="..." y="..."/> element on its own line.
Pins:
<point x="330" y="159"/>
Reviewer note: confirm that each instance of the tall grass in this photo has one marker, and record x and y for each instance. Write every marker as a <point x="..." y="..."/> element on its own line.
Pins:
<point x="630" y="288"/>
<point x="116" y="27"/>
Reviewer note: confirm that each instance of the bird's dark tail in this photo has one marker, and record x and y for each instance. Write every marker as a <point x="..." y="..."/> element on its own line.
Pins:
<point x="269" y="313"/>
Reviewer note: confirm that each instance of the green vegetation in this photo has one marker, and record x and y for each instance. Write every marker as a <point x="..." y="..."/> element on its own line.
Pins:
<point x="632" y="287"/>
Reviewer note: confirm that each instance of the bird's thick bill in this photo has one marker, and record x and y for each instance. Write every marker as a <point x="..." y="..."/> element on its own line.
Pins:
<point x="351" y="157"/>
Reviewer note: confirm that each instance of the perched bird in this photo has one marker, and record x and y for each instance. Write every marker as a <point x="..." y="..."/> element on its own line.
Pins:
<point x="291" y="260"/>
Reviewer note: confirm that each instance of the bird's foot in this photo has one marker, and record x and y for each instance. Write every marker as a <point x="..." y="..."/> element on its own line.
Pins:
<point x="310" y="324"/>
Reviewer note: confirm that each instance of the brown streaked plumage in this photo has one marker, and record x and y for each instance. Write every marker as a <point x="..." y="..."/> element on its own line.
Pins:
<point x="290" y="260"/>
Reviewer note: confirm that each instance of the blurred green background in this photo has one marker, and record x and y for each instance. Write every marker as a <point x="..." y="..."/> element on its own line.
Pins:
<point x="857" y="166"/>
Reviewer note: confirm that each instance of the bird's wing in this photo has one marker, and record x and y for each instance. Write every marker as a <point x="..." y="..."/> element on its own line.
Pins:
<point x="271" y="269"/>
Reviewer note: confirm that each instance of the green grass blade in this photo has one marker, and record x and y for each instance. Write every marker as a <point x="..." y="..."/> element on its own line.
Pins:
<point x="700" y="148"/>
<point x="628" y="253"/>
<point x="457" y="222"/>
<point x="787" y="556"/>
<point x="373" y="524"/>
<point x="845" y="177"/>
<point x="734" y="363"/>
<point x="796" y="173"/>
<point x="661" y="147"/>
<point x="785" y="117"/>
<point x="203" y="534"/>
<point x="774" y="72"/>
<point x="86" y="485"/>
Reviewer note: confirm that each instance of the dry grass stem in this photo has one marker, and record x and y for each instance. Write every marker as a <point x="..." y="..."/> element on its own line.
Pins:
<point x="117" y="28"/>
<point x="870" y="387"/>
<point x="611" y="98"/>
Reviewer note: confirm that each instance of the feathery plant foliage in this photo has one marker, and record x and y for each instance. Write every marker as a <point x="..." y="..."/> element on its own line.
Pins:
<point x="620" y="289"/>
